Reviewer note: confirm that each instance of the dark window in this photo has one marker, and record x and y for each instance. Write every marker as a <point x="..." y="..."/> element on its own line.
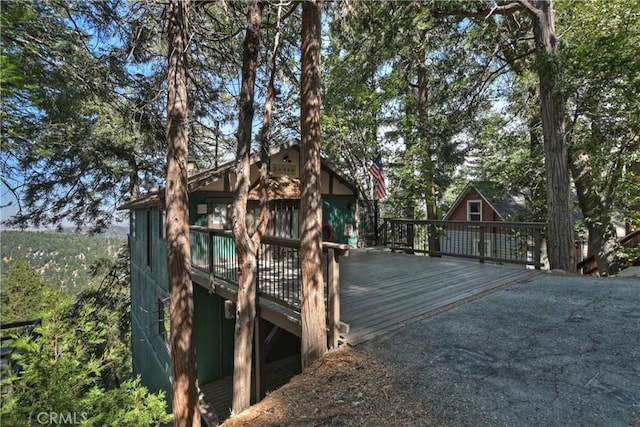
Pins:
<point x="474" y="210"/>
<point x="162" y="221"/>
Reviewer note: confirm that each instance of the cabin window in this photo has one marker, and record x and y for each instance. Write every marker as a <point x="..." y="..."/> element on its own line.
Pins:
<point x="474" y="210"/>
<point x="149" y="245"/>
<point x="162" y="221"/>
<point x="164" y="328"/>
<point x="286" y="217"/>
<point x="221" y="215"/>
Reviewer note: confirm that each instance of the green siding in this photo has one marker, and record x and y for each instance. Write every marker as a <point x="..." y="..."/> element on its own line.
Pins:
<point x="214" y="336"/>
<point x="149" y="283"/>
<point x="336" y="212"/>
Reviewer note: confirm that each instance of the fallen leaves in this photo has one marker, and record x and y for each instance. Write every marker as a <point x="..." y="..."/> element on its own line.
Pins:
<point x="347" y="387"/>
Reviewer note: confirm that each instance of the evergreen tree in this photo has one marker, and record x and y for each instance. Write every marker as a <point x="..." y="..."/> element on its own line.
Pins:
<point x="25" y="295"/>
<point x="76" y="363"/>
<point x="60" y="376"/>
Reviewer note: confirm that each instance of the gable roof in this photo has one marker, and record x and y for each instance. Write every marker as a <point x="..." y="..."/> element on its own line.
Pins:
<point x="208" y="176"/>
<point x="506" y="204"/>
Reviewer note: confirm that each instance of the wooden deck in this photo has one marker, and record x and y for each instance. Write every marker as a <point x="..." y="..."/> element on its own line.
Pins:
<point x="381" y="291"/>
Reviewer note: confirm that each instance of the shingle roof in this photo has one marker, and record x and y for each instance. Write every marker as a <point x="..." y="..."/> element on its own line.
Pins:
<point x="506" y="203"/>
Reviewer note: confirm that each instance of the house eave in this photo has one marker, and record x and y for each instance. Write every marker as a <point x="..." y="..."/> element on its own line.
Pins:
<point x="469" y="187"/>
<point x="203" y="178"/>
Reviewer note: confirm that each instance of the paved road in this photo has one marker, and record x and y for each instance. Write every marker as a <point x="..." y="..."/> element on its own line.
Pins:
<point x="556" y="351"/>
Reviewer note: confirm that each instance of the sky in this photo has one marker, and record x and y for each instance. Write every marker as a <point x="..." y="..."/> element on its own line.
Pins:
<point x="5" y="198"/>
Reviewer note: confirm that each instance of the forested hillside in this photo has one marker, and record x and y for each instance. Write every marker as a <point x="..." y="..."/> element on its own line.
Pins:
<point x="61" y="259"/>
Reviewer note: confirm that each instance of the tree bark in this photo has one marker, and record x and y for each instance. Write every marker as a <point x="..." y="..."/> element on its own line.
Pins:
<point x="603" y="239"/>
<point x="245" y="246"/>
<point x="183" y="353"/>
<point x="561" y="243"/>
<point x="313" y="313"/>
<point x="428" y="167"/>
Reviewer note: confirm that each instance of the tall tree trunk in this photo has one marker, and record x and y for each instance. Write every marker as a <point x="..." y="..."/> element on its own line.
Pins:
<point x="603" y="239"/>
<point x="633" y="222"/>
<point x="265" y="137"/>
<point x="314" y="337"/>
<point x="183" y="352"/>
<point x="423" y="123"/>
<point x="428" y="167"/>
<point x="559" y="213"/>
<point x="246" y="247"/>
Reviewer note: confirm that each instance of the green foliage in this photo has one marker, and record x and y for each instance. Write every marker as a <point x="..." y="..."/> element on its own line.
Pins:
<point x="76" y="130"/>
<point x="77" y="363"/>
<point x="24" y="295"/>
<point x="629" y="256"/>
<point x="602" y="77"/>
<point x="408" y="84"/>
<point x="62" y="259"/>
<point x="108" y="303"/>
<point x="61" y="373"/>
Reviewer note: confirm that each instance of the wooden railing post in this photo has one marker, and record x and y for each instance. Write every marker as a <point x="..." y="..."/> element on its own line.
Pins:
<point x="333" y="277"/>
<point x="411" y="241"/>
<point x="211" y="247"/>
<point x="537" y="247"/>
<point x="385" y="232"/>
<point x="481" y="243"/>
<point x="393" y="231"/>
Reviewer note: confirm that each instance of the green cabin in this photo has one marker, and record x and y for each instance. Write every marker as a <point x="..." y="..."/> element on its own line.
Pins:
<point x="210" y="203"/>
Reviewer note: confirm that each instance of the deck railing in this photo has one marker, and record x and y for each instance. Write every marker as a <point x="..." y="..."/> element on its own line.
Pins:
<point x="507" y="242"/>
<point x="279" y="273"/>
<point x="589" y="265"/>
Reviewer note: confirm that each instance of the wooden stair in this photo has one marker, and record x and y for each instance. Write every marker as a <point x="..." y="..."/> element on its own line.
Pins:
<point x="216" y="396"/>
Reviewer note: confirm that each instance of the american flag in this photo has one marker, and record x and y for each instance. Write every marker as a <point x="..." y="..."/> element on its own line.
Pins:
<point x="377" y="173"/>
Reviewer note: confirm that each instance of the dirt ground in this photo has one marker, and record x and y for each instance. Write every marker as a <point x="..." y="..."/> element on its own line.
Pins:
<point x="345" y="388"/>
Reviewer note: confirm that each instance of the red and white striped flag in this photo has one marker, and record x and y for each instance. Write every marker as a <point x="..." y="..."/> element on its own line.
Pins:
<point x="377" y="173"/>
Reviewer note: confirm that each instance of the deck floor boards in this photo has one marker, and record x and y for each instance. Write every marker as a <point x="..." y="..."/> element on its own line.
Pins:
<point x="381" y="291"/>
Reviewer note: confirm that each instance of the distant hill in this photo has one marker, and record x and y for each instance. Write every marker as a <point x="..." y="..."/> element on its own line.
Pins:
<point x="62" y="259"/>
<point x="114" y="231"/>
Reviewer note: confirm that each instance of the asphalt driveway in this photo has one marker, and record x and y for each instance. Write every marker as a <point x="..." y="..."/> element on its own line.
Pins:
<point x="555" y="351"/>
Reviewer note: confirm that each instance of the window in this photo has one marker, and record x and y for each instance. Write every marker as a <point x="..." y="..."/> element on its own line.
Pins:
<point x="474" y="210"/>
<point x="162" y="221"/>
<point x="221" y="215"/>
<point x="164" y="318"/>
